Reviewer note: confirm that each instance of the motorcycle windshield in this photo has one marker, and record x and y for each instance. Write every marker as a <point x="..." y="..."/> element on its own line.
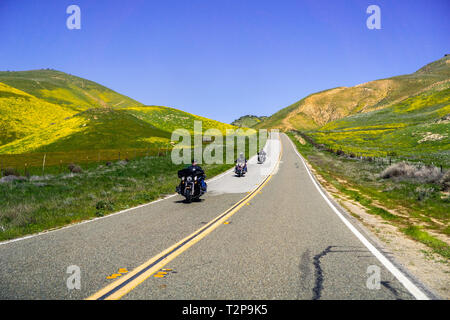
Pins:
<point x="187" y="173"/>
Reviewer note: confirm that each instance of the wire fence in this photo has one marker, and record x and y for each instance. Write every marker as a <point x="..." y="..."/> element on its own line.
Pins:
<point x="58" y="162"/>
<point x="387" y="160"/>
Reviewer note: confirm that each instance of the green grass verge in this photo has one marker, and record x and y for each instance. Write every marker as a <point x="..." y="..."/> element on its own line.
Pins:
<point x="52" y="201"/>
<point x="360" y="181"/>
<point x="424" y="237"/>
<point x="40" y="203"/>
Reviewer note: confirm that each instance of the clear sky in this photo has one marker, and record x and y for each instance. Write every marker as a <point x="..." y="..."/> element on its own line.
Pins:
<point x="224" y="58"/>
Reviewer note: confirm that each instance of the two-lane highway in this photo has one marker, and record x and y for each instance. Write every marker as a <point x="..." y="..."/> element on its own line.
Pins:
<point x="269" y="235"/>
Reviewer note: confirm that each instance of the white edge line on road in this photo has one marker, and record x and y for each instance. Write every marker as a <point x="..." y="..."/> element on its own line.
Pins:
<point x="411" y="287"/>
<point x="211" y="226"/>
<point x="107" y="216"/>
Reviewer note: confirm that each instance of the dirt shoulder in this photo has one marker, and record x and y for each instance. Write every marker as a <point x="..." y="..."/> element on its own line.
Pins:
<point x="427" y="266"/>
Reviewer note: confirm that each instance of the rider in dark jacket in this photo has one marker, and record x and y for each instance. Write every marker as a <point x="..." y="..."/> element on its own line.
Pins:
<point x="195" y="167"/>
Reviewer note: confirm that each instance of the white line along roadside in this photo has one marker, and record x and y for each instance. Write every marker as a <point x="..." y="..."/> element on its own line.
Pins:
<point x="411" y="287"/>
<point x="107" y="216"/>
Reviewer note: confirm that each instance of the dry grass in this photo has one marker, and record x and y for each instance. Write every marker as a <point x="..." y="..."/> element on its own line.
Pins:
<point x="403" y="170"/>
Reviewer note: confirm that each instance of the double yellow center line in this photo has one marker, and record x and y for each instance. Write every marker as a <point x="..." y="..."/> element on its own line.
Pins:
<point x="132" y="279"/>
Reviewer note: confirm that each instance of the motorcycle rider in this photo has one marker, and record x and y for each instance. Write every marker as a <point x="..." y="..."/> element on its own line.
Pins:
<point x="195" y="167"/>
<point x="261" y="155"/>
<point x="242" y="159"/>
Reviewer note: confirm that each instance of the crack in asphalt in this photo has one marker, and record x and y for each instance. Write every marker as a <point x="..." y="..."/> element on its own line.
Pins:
<point x="395" y="292"/>
<point x="317" y="290"/>
<point x="319" y="276"/>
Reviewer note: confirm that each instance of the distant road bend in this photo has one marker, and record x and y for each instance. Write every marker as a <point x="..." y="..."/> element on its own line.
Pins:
<point x="272" y="234"/>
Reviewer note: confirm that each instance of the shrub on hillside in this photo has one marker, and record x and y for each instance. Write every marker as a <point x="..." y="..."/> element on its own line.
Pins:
<point x="423" y="192"/>
<point x="73" y="168"/>
<point x="404" y="170"/>
<point x="10" y="172"/>
<point x="104" y="205"/>
<point x="445" y="181"/>
<point x="11" y="178"/>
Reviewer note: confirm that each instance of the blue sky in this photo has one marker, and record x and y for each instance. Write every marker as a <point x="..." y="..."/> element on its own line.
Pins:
<point x="224" y="58"/>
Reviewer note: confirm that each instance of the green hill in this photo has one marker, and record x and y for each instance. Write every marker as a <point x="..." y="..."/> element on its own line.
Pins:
<point x="248" y="121"/>
<point x="320" y="108"/>
<point x="50" y="111"/>
<point x="417" y="128"/>
<point x="65" y="90"/>
<point x="22" y="114"/>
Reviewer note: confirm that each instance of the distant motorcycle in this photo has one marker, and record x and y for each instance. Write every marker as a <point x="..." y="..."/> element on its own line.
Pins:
<point x="240" y="169"/>
<point x="261" y="157"/>
<point x="192" y="185"/>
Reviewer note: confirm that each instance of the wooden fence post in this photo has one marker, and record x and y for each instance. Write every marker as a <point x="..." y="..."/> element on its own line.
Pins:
<point x="43" y="164"/>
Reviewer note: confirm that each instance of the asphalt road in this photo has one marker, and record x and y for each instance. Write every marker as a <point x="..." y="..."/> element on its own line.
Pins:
<point x="283" y="241"/>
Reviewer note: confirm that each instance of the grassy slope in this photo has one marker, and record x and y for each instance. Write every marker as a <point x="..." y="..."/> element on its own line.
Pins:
<point x="50" y="111"/>
<point x="248" y="121"/>
<point x="35" y="205"/>
<point x="401" y="129"/>
<point x="105" y="128"/>
<point x="320" y="108"/>
<point x="395" y="202"/>
<point x="93" y="129"/>
<point x="33" y="101"/>
<point x="22" y="114"/>
<point x="66" y="90"/>
<point x="169" y="119"/>
<point x="80" y="115"/>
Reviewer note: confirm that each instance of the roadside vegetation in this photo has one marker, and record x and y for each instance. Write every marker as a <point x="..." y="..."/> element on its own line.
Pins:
<point x="31" y="202"/>
<point x="248" y="121"/>
<point x="44" y="111"/>
<point x="37" y="203"/>
<point x="414" y="198"/>
<point x="416" y="129"/>
<point x="72" y="149"/>
<point x="321" y="108"/>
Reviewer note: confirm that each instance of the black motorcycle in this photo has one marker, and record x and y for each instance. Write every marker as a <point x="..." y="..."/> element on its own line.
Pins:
<point x="240" y="169"/>
<point x="192" y="185"/>
<point x="261" y="157"/>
